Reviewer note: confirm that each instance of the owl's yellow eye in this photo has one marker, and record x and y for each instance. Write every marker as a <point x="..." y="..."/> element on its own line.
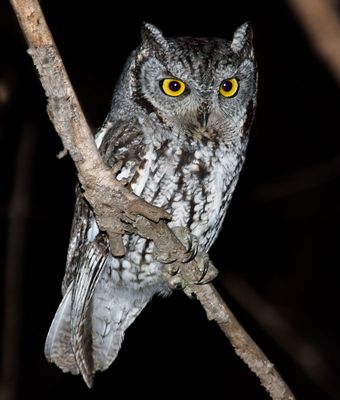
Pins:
<point x="173" y="87"/>
<point x="229" y="87"/>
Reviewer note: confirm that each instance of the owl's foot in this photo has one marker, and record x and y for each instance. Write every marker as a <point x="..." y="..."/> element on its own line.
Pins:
<point x="190" y="243"/>
<point x="183" y="273"/>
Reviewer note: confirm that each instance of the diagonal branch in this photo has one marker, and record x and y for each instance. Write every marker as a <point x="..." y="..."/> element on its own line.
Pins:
<point x="65" y="113"/>
<point x="111" y="200"/>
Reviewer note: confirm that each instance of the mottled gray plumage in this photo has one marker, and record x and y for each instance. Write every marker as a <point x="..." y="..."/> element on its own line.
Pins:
<point x="181" y="152"/>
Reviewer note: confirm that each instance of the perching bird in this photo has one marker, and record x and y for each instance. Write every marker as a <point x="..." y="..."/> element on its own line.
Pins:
<point x="179" y="123"/>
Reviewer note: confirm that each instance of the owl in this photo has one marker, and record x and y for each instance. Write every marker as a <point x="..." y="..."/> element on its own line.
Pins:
<point x="178" y="125"/>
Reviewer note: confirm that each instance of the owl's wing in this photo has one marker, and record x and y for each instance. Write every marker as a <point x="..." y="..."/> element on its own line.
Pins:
<point x="123" y="141"/>
<point x="118" y="142"/>
<point x="69" y="341"/>
<point x="83" y="220"/>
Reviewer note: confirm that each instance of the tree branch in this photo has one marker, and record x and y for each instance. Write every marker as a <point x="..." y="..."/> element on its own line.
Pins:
<point x="111" y="200"/>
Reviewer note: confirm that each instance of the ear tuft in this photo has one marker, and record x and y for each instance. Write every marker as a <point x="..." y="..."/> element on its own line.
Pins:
<point x="152" y="38"/>
<point x="243" y="39"/>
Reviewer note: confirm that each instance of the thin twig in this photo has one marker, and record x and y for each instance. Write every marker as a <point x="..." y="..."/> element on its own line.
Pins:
<point x="101" y="188"/>
<point x="321" y="21"/>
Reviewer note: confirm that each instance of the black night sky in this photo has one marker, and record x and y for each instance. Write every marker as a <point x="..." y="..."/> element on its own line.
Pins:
<point x="278" y="252"/>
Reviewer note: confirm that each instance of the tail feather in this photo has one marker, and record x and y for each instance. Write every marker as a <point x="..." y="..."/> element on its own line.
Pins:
<point x="84" y="287"/>
<point x="58" y="347"/>
<point x="113" y="312"/>
<point x="88" y="328"/>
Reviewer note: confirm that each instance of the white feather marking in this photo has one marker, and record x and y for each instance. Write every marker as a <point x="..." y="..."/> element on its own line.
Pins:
<point x="92" y="231"/>
<point x="101" y="133"/>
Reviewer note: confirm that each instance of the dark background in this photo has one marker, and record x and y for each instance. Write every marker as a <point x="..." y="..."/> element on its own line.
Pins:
<point x="278" y="253"/>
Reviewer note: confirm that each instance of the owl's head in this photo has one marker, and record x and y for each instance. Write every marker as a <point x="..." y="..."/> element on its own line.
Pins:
<point x="199" y="87"/>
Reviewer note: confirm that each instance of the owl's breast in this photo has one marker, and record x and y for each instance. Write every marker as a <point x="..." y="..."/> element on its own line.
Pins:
<point x="193" y="185"/>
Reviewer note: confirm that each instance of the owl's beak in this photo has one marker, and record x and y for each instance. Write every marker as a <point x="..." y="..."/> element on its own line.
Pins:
<point x="202" y="118"/>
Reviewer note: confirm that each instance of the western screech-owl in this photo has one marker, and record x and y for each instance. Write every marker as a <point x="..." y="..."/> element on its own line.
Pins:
<point x="179" y="122"/>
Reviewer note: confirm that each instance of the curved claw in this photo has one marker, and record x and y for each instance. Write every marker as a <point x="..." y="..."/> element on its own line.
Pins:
<point x="210" y="273"/>
<point x="172" y="269"/>
<point x="188" y="240"/>
<point x="205" y="263"/>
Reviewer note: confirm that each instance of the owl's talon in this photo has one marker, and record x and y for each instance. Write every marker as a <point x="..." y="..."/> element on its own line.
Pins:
<point x="205" y="271"/>
<point x="202" y="260"/>
<point x="210" y="273"/>
<point x="172" y="269"/>
<point x="188" y="240"/>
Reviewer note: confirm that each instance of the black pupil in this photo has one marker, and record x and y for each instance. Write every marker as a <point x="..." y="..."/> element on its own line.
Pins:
<point x="227" y="86"/>
<point x="174" y="86"/>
